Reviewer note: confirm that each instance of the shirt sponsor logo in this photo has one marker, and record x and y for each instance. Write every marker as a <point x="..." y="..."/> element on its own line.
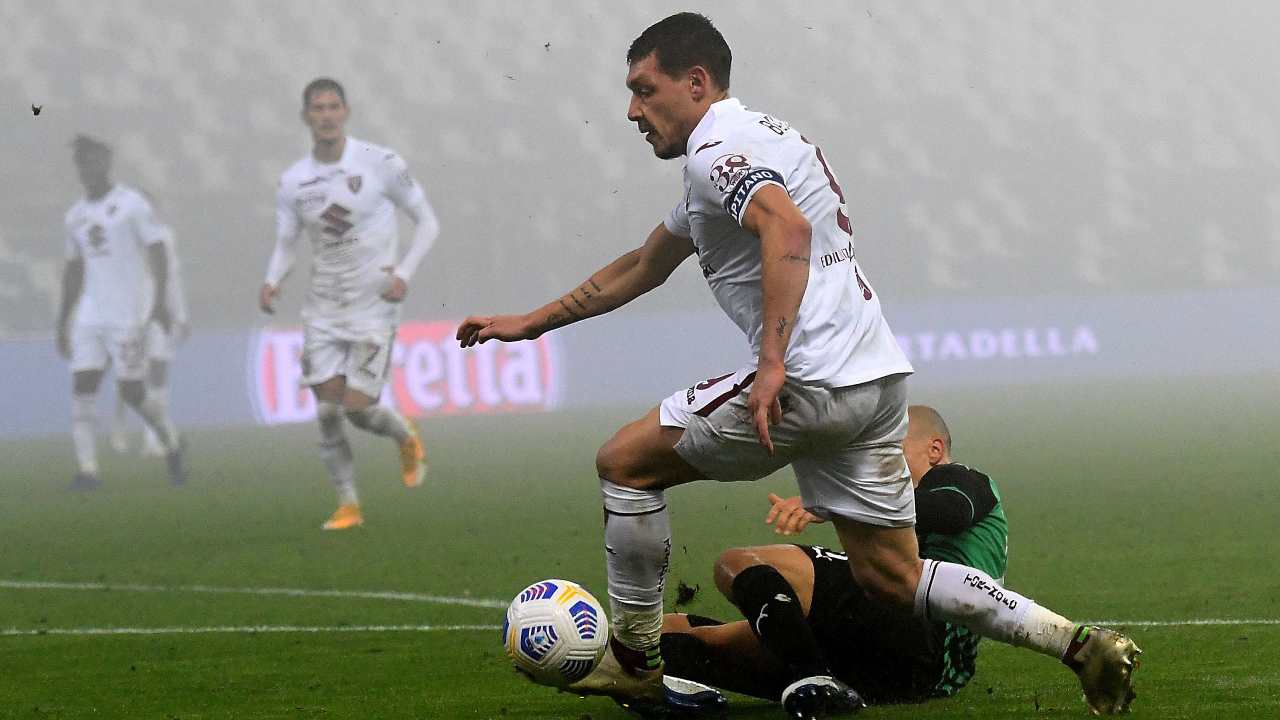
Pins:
<point x="429" y="376"/>
<point x="728" y="170"/>
<point x="354" y="183"/>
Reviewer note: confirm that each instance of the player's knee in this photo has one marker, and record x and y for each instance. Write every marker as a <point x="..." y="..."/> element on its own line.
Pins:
<point x="728" y="565"/>
<point x="358" y="417"/>
<point x="133" y="392"/>
<point x="614" y="464"/>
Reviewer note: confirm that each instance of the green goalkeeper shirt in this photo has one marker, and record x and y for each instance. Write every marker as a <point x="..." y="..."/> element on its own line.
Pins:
<point x="959" y="519"/>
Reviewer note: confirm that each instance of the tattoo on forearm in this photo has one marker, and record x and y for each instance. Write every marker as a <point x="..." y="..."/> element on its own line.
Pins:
<point x="578" y="302"/>
<point x="782" y="327"/>
<point x="555" y="320"/>
<point x="593" y="284"/>
<point x="569" y="309"/>
<point x="795" y="258"/>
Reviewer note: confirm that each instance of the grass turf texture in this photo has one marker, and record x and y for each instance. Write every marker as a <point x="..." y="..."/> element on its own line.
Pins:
<point x="1146" y="502"/>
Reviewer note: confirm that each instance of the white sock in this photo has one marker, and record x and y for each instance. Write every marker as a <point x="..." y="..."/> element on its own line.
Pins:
<point x="155" y="412"/>
<point x="637" y="542"/>
<point x="381" y="420"/>
<point x="336" y="452"/>
<point x="969" y="597"/>
<point x="83" y="432"/>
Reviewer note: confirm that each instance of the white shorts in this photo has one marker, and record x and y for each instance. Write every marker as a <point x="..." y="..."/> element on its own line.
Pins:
<point x="95" y="347"/>
<point x="160" y="344"/>
<point x="845" y="444"/>
<point x="365" y="361"/>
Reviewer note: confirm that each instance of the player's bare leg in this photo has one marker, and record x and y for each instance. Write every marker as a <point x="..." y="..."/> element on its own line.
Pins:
<point x="367" y="414"/>
<point x="119" y="436"/>
<point x="635" y="466"/>
<point x="336" y="452"/>
<point x="885" y="562"/>
<point x="156" y="417"/>
<point x="157" y="388"/>
<point x="84" y="392"/>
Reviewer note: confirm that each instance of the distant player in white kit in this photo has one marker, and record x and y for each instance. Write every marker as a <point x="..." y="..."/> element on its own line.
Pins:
<point x="344" y="195"/>
<point x="826" y="393"/>
<point x="116" y="282"/>
<point x="161" y="345"/>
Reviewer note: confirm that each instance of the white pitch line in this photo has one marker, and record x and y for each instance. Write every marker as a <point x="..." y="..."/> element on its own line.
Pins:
<point x="248" y="629"/>
<point x="1211" y="622"/>
<point x="289" y="592"/>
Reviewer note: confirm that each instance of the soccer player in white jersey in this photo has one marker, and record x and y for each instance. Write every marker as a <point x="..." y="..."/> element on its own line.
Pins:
<point x="343" y="195"/>
<point x="826" y="392"/>
<point x="161" y="344"/>
<point x="116" y="282"/>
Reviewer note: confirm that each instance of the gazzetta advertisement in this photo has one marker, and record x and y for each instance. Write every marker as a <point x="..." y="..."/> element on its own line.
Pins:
<point x="430" y="375"/>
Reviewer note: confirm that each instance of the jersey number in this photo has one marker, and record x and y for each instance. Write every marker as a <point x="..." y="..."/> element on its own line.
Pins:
<point x="842" y="220"/>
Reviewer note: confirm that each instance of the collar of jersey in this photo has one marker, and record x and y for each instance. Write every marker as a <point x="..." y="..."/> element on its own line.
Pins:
<point x="727" y="105"/>
<point x="322" y="167"/>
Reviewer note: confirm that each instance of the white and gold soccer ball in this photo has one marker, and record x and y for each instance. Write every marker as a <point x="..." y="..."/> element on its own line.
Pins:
<point x="555" y="632"/>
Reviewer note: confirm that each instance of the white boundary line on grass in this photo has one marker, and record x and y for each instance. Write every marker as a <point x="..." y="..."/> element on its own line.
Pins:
<point x="1208" y="622"/>
<point x="289" y="592"/>
<point x="247" y="629"/>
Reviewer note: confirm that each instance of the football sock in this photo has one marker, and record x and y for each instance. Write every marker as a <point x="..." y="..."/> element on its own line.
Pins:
<point x="773" y="611"/>
<point x="969" y="597"/>
<point x="637" y="543"/>
<point x="154" y="411"/>
<point x="336" y="452"/>
<point x="83" y="431"/>
<point x="381" y="420"/>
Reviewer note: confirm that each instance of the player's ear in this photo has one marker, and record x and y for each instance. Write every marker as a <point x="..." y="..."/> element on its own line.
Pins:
<point x="698" y="82"/>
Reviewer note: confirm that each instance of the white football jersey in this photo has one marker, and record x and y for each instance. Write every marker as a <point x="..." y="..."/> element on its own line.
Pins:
<point x="347" y="210"/>
<point x="112" y="235"/>
<point x="840" y="336"/>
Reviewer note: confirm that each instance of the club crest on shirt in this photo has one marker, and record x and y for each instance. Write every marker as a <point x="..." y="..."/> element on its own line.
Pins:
<point x="354" y="183"/>
<point x="727" y="170"/>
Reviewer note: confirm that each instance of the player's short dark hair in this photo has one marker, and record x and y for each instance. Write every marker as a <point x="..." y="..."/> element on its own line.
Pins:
<point x="682" y="41"/>
<point x="323" y="84"/>
<point x="86" y="146"/>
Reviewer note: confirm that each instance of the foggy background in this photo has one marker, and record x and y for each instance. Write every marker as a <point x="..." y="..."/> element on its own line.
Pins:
<point x="986" y="148"/>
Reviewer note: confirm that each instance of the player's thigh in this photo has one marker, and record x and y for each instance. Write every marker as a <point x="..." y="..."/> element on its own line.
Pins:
<point x="641" y="454"/>
<point x="89" y="357"/>
<point x="324" y="356"/>
<point x="367" y="367"/>
<point x="159" y="344"/>
<point x="128" y="350"/>
<point x="719" y="437"/>
<point x="792" y="563"/>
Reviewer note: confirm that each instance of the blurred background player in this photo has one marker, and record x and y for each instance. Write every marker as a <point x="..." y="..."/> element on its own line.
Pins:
<point x="161" y="344"/>
<point x="344" y="194"/>
<point x="825" y="392"/>
<point x="116" y="282"/>
<point x="807" y="616"/>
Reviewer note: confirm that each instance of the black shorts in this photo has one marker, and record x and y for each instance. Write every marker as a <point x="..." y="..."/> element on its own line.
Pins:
<point x="887" y="656"/>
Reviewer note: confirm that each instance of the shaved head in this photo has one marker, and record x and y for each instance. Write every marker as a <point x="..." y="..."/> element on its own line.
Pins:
<point x="926" y="421"/>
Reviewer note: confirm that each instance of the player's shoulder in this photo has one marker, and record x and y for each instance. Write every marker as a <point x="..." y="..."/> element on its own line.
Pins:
<point x="130" y="198"/>
<point x="373" y="154"/>
<point x="299" y="172"/>
<point x="954" y="474"/>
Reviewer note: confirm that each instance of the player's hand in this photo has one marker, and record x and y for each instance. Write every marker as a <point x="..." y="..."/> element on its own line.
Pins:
<point x="64" y="342"/>
<point x="396" y="286"/>
<point x="507" y="328"/>
<point x="267" y="298"/>
<point x="160" y="314"/>
<point x="788" y="516"/>
<point x="763" y="403"/>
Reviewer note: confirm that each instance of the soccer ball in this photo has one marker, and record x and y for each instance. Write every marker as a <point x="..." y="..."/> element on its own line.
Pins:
<point x="555" y="632"/>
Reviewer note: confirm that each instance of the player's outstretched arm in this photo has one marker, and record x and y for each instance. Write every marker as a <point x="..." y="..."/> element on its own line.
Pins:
<point x="611" y="287"/>
<point x="785" y="239"/>
<point x="72" y="285"/>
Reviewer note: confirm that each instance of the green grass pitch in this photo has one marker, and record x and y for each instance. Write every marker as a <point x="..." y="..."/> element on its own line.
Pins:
<point x="1151" y="502"/>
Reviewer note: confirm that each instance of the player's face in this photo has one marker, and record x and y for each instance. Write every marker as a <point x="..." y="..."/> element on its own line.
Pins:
<point x="93" y="168"/>
<point x="662" y="107"/>
<point x="916" y="449"/>
<point x="326" y="115"/>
